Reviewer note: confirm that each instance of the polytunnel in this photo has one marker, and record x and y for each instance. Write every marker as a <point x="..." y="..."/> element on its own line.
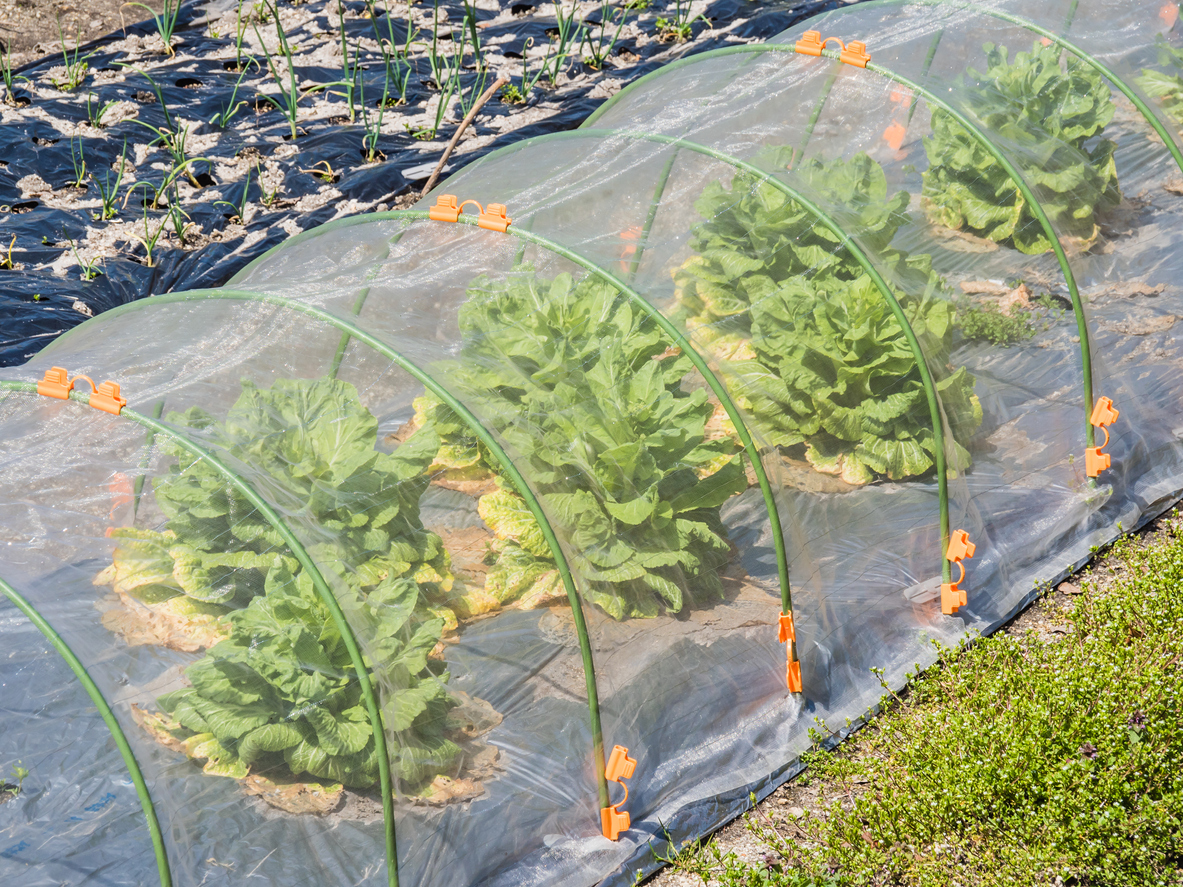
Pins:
<point x="507" y="539"/>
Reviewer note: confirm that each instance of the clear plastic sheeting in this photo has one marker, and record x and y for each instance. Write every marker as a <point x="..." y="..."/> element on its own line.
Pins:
<point x="406" y="528"/>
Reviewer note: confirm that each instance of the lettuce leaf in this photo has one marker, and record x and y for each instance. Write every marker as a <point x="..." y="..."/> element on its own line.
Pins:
<point x="1051" y="115"/>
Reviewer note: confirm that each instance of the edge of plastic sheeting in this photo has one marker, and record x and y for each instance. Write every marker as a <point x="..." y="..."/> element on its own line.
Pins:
<point x="108" y="716"/>
<point x="962" y="120"/>
<point x="355" y="332"/>
<point x="318" y="581"/>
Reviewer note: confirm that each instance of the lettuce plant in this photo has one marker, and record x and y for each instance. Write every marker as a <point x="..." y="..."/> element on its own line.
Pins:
<point x="753" y="237"/>
<point x="832" y="370"/>
<point x="1051" y="117"/>
<point x="1166" y="87"/>
<point x="584" y="389"/>
<point x="281" y="690"/>
<point x="816" y="354"/>
<point x="311" y="447"/>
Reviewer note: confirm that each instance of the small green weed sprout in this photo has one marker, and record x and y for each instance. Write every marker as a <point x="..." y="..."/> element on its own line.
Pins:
<point x="240" y="207"/>
<point x="19" y="774"/>
<point x="109" y="190"/>
<point x="150" y="238"/>
<point x="222" y="119"/>
<point x="986" y="322"/>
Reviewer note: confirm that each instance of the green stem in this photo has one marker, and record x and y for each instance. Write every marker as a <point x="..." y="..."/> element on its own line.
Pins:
<point x="149" y="439"/>
<point x="814" y="117"/>
<point x="651" y="216"/>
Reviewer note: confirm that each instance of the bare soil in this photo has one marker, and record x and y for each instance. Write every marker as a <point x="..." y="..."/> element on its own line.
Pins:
<point x="29" y="28"/>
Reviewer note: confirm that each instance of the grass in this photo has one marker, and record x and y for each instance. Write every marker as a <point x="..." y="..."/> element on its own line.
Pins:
<point x="1019" y="760"/>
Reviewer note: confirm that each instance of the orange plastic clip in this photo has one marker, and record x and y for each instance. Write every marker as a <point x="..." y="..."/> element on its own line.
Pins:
<point x="56" y="383"/>
<point x="106" y="398"/>
<point x="811" y="43"/>
<point x="788" y="632"/>
<point x="1169" y="13"/>
<point x="445" y="209"/>
<point x="894" y="135"/>
<point x="1103" y="415"/>
<point x="493" y="218"/>
<point x="953" y="597"/>
<point x="855" y="53"/>
<point x="620" y="767"/>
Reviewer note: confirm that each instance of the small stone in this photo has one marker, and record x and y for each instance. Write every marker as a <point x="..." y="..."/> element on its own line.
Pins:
<point x="1068" y="588"/>
<point x="82" y="308"/>
<point x="796" y="812"/>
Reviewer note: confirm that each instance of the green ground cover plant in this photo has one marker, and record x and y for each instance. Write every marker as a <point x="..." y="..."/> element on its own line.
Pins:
<point x="1021" y="760"/>
<point x="1056" y="113"/>
<point x="586" y="389"/>
<point x="820" y="360"/>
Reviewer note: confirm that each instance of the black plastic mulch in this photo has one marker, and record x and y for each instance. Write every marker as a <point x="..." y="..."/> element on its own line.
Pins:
<point x="38" y="302"/>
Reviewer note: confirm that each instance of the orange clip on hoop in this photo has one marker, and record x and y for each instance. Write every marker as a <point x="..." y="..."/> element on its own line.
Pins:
<point x="855" y="53"/>
<point x="960" y="548"/>
<point x="811" y="43"/>
<point x="620" y="767"/>
<point x="493" y="218"/>
<point x="445" y="209"/>
<point x="56" y="383"/>
<point x="105" y="397"/>
<point x="1103" y="415"/>
<point x="788" y="634"/>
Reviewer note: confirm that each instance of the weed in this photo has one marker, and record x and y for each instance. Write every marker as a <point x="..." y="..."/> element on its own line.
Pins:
<point x="76" y="67"/>
<point x="19" y="773"/>
<point x="6" y="258"/>
<point x="986" y="322"/>
<point x="600" y="48"/>
<point x="679" y="28"/>
<point x="166" y="21"/>
<point x="108" y="191"/>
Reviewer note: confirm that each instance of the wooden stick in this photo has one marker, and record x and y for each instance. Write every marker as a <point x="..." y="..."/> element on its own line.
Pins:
<point x="480" y="103"/>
